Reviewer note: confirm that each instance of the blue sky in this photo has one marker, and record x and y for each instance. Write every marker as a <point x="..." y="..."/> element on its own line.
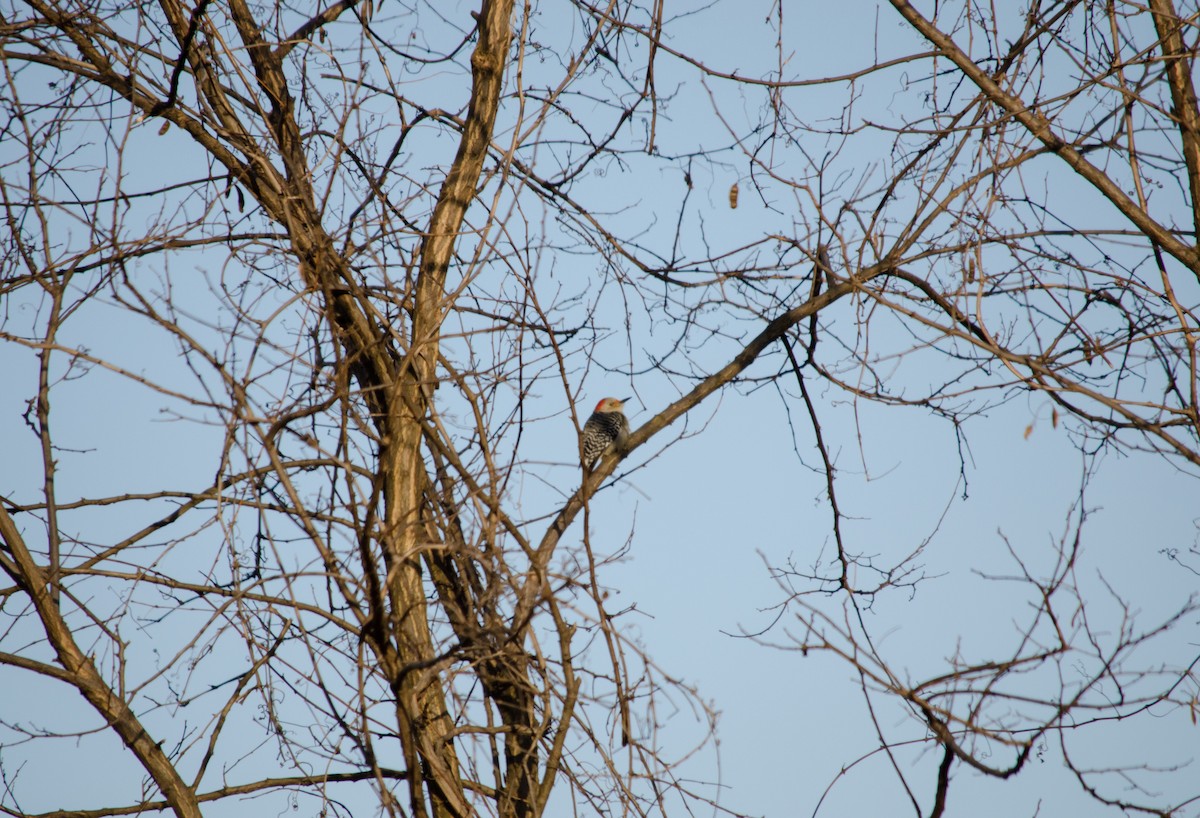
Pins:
<point x="701" y="526"/>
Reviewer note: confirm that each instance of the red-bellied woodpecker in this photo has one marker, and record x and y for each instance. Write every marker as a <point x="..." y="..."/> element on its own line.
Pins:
<point x="606" y="426"/>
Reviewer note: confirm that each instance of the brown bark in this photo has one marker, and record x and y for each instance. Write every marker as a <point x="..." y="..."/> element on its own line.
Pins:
<point x="1183" y="95"/>
<point x="424" y="721"/>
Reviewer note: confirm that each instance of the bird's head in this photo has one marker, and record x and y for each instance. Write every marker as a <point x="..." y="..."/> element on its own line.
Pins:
<point x="611" y="405"/>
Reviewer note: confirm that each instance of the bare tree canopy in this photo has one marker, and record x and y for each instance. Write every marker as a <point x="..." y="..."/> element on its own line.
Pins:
<point x="303" y="307"/>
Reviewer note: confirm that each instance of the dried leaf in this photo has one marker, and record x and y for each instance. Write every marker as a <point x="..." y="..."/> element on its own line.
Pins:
<point x="1028" y="431"/>
<point x="733" y="196"/>
<point x="166" y="124"/>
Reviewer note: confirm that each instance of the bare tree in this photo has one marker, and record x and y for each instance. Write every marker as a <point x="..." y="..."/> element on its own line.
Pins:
<point x="359" y="259"/>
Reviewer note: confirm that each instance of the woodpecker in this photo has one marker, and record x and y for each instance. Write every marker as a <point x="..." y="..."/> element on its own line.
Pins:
<point x="606" y="426"/>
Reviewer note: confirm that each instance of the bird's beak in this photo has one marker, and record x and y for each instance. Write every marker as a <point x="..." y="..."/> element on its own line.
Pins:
<point x="623" y="400"/>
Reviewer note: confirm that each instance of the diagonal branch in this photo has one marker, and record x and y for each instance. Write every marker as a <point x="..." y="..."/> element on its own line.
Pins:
<point x="776" y="329"/>
<point x="1040" y="128"/>
<point x="81" y="672"/>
